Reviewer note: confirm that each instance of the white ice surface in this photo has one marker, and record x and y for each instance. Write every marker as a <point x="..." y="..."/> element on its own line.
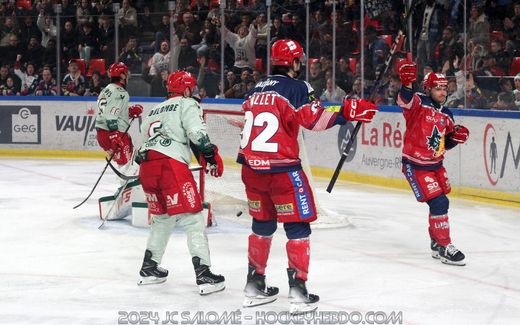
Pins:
<point x="58" y="268"/>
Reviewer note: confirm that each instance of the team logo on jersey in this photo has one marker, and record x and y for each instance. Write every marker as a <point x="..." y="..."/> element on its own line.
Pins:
<point x="436" y="142"/>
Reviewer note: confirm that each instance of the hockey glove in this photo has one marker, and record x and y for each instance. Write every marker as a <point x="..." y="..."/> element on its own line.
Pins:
<point x="116" y="140"/>
<point x="408" y="73"/>
<point x="135" y="111"/>
<point x="460" y="134"/>
<point x="358" y="110"/>
<point x="212" y="160"/>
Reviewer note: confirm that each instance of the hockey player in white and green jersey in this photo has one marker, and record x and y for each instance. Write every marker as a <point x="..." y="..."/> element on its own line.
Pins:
<point x="171" y="190"/>
<point x="113" y="116"/>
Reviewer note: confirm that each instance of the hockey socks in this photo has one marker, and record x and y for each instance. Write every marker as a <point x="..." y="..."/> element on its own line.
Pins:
<point x="441" y="245"/>
<point x="258" y="251"/>
<point x="298" y="254"/>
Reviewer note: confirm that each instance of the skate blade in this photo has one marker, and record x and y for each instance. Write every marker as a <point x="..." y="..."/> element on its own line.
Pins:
<point x="150" y="280"/>
<point x="258" y="301"/>
<point x="208" y="288"/>
<point x="435" y="255"/>
<point x="457" y="263"/>
<point x="302" y="308"/>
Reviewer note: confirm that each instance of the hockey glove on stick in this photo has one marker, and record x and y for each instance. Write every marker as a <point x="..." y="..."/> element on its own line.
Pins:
<point x="408" y="73"/>
<point x="135" y="111"/>
<point x="360" y="110"/>
<point x="460" y="134"/>
<point x="211" y="159"/>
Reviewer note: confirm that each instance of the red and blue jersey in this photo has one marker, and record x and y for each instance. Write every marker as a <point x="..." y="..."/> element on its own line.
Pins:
<point x="427" y="127"/>
<point x="274" y="111"/>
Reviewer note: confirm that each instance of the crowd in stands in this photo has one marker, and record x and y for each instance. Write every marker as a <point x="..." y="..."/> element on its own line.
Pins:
<point x="483" y="65"/>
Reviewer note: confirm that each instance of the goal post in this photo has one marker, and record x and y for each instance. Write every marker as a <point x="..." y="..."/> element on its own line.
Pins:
<point x="225" y="196"/>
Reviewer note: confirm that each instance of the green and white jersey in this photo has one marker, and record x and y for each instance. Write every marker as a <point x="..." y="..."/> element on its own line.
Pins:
<point x="112" y="106"/>
<point x="171" y="125"/>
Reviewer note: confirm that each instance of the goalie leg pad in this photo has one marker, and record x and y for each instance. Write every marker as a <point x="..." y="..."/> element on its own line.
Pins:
<point x="298" y="254"/>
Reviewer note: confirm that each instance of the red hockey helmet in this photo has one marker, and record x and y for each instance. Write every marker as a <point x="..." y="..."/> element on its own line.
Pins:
<point x="434" y="79"/>
<point x="178" y="81"/>
<point x="117" y="69"/>
<point x="284" y="51"/>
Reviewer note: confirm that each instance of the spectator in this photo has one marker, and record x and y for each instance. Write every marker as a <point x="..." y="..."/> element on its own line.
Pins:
<point x="29" y="78"/>
<point x="512" y="31"/>
<point x="187" y="55"/>
<point x="127" y="16"/>
<point x="9" y="27"/>
<point x="161" y="60"/>
<point x="239" y="90"/>
<point x="131" y="56"/>
<point x="448" y="49"/>
<point x="189" y="29"/>
<point x="277" y="31"/>
<point x="73" y="83"/>
<point x="47" y="85"/>
<point x="84" y="12"/>
<point x="316" y="77"/>
<point x="332" y="94"/>
<point x="163" y="32"/>
<point x="230" y="81"/>
<point x="9" y="88"/>
<point x="357" y="86"/>
<point x="46" y="26"/>
<point x="145" y="21"/>
<point x="34" y="52"/>
<point x="10" y="51"/>
<point x="49" y="54"/>
<point x="502" y="58"/>
<point x="344" y="76"/>
<point x="505" y="101"/>
<point x="243" y="45"/>
<point x="478" y="27"/>
<point x="88" y="42"/>
<point x="158" y="84"/>
<point x="95" y="84"/>
<point x="69" y="42"/>
<point x="106" y="38"/>
<point x="430" y="21"/>
<point x="28" y="29"/>
<point x="376" y="47"/>
<point x="207" y="78"/>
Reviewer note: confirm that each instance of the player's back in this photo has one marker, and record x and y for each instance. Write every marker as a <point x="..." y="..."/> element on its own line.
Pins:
<point x="112" y="104"/>
<point x="269" y="138"/>
<point x="169" y="125"/>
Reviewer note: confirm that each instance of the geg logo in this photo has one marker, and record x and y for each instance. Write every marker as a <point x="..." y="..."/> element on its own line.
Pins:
<point x="27" y="126"/>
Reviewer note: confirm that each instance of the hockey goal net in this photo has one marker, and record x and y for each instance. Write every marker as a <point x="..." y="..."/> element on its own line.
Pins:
<point x="225" y="196"/>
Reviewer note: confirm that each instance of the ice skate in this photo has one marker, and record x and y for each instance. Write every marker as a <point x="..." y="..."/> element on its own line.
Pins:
<point x="435" y="249"/>
<point x="256" y="292"/>
<point x="207" y="281"/>
<point x="451" y="255"/>
<point x="301" y="301"/>
<point x="151" y="273"/>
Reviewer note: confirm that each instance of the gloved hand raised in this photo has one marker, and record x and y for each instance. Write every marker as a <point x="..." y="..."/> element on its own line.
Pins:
<point x="135" y="111"/>
<point x="460" y="134"/>
<point x="211" y="159"/>
<point x="358" y="110"/>
<point x="408" y="73"/>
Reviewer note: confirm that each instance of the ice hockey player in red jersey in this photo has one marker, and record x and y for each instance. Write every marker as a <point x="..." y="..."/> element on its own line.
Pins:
<point x="430" y="131"/>
<point x="276" y="186"/>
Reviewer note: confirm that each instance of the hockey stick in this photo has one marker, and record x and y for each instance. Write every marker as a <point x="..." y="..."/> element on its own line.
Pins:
<point x="104" y="170"/>
<point x="396" y="46"/>
<point x="129" y="178"/>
